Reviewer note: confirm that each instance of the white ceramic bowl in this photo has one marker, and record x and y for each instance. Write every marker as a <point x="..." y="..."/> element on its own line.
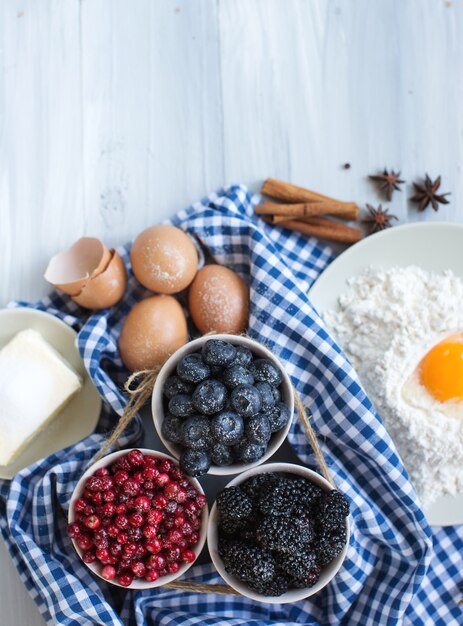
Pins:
<point x="294" y="595"/>
<point x="137" y="583"/>
<point x="169" y="368"/>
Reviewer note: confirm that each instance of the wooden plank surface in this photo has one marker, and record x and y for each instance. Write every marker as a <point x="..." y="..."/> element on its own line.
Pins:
<point x="114" y="114"/>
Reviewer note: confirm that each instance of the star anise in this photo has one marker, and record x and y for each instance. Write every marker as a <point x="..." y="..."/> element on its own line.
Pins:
<point x="378" y="219"/>
<point x="426" y="194"/>
<point x="388" y="182"/>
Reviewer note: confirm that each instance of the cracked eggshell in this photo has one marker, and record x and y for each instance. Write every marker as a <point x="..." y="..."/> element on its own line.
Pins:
<point x="105" y="289"/>
<point x="164" y="259"/>
<point x="71" y="269"/>
<point x="90" y="273"/>
<point x="153" y="330"/>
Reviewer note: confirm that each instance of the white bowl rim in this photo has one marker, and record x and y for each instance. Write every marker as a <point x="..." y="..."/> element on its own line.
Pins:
<point x="138" y="584"/>
<point x="168" y="368"/>
<point x="293" y="595"/>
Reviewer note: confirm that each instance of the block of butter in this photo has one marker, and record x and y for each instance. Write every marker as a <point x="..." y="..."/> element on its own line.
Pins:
<point x="36" y="382"/>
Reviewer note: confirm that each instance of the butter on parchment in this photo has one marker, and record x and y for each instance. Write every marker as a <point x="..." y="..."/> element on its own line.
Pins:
<point x="36" y="382"/>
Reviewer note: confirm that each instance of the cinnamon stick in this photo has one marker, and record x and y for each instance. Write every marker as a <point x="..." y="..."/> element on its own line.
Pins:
<point x="323" y="228"/>
<point x="291" y="193"/>
<point x="344" y="210"/>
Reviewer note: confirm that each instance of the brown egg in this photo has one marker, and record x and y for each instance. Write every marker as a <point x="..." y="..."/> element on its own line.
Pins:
<point x="164" y="259"/>
<point x="219" y="300"/>
<point x="153" y="330"/>
<point x="93" y="275"/>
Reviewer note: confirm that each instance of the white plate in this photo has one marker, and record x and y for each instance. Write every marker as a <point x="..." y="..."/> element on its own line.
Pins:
<point x="79" y="418"/>
<point x="432" y="246"/>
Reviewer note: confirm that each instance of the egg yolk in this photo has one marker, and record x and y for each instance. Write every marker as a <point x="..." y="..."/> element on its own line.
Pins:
<point x="441" y="370"/>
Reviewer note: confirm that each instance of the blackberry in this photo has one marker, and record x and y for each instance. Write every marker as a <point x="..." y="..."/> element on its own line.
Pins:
<point x="230" y="526"/>
<point x="248" y="563"/>
<point x="192" y="368"/>
<point x="313" y="576"/>
<point x="330" y="510"/>
<point x="258" y="484"/>
<point x="266" y="393"/>
<point x="309" y="581"/>
<point x="175" y="385"/>
<point x="243" y="356"/>
<point x="283" y="534"/>
<point x="209" y="397"/>
<point x="265" y="370"/>
<point x="218" y="352"/>
<point x="306" y="492"/>
<point x="279" y="417"/>
<point x="181" y="405"/>
<point x="276" y="587"/>
<point x="279" y="499"/>
<point x="257" y="429"/>
<point x="222" y="455"/>
<point x="329" y="545"/>
<point x="298" y="565"/>
<point x="237" y="375"/>
<point x="234" y="504"/>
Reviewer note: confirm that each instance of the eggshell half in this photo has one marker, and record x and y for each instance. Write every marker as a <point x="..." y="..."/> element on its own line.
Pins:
<point x="219" y="300"/>
<point x="164" y="259"/>
<point x="153" y="330"/>
<point x="69" y="270"/>
<point x="105" y="289"/>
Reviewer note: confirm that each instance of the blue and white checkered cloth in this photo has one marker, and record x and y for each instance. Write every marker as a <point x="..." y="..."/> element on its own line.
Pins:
<point x="396" y="570"/>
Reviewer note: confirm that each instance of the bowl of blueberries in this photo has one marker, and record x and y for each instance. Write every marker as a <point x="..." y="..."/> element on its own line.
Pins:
<point x="222" y="404"/>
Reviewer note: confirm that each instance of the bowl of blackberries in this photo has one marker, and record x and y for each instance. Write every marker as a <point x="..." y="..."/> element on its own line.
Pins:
<point x="278" y="533"/>
<point x="222" y="404"/>
<point x="136" y="520"/>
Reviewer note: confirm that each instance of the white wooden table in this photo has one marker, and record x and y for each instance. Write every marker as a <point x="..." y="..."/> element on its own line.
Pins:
<point x="116" y="113"/>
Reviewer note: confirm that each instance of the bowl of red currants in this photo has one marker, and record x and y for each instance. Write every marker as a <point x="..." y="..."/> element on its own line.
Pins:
<point x="136" y="520"/>
<point x="222" y="404"/>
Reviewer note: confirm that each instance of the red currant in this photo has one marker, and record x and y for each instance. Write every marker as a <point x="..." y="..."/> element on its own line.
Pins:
<point x="109" y="572"/>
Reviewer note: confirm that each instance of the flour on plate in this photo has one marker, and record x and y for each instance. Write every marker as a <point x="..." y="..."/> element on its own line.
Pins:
<point x="386" y="322"/>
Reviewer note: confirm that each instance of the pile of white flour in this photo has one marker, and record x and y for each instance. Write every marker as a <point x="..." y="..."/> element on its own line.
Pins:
<point x="386" y="322"/>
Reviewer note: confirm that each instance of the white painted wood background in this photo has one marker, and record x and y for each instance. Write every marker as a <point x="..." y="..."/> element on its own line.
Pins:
<point x="116" y="113"/>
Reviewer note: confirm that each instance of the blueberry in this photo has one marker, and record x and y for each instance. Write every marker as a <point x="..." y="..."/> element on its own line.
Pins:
<point x="181" y="405"/>
<point x="218" y="352"/>
<point x="265" y="371"/>
<point x="243" y="356"/>
<point x="276" y="394"/>
<point x="192" y="368"/>
<point x="227" y="427"/>
<point x="210" y="397"/>
<point x="196" y="432"/>
<point x="246" y="400"/>
<point x="257" y="429"/>
<point x="266" y="393"/>
<point x="195" y="462"/>
<point x="235" y="375"/>
<point x="279" y="417"/>
<point x="222" y="455"/>
<point x="175" y="385"/>
<point x="248" y="452"/>
<point x="171" y="428"/>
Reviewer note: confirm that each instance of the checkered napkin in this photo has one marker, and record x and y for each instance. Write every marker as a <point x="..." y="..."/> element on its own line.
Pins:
<point x="392" y="573"/>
